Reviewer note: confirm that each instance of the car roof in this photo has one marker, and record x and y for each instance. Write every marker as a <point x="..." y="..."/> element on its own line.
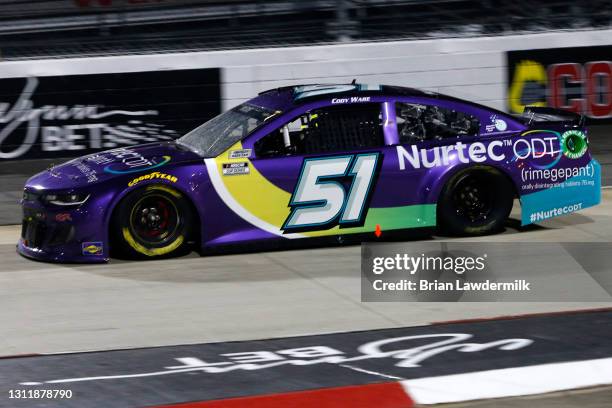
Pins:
<point x="286" y="97"/>
<point x="302" y="93"/>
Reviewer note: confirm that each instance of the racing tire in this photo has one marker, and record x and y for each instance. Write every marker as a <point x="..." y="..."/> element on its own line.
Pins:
<point x="151" y="222"/>
<point x="475" y="201"/>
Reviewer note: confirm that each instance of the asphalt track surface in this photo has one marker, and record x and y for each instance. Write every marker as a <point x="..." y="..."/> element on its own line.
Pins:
<point x="57" y="308"/>
<point x="420" y="357"/>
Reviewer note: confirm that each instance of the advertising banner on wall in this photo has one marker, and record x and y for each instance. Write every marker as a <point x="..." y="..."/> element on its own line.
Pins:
<point x="576" y="79"/>
<point x="66" y="116"/>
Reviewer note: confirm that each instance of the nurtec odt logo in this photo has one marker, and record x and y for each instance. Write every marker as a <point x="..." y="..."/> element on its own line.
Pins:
<point x="574" y="144"/>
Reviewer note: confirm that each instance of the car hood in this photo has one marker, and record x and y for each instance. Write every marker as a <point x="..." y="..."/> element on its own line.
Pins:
<point x="122" y="162"/>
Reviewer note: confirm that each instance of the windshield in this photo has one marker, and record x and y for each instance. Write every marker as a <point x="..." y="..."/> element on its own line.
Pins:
<point x="221" y="132"/>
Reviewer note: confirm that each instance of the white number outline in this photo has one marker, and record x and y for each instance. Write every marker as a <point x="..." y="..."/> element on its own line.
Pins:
<point x="338" y="218"/>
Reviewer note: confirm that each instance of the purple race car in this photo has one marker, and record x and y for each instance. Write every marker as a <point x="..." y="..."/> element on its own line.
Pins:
<point x="313" y="161"/>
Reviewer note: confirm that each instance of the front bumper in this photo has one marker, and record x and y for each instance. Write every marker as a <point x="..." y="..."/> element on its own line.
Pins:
<point x="62" y="234"/>
<point x="63" y="255"/>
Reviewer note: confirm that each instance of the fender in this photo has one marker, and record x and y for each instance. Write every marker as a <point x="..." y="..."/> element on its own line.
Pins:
<point x="192" y="197"/>
<point x="439" y="180"/>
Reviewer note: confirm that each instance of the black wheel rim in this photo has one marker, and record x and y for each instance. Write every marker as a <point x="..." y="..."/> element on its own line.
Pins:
<point x="154" y="219"/>
<point x="472" y="199"/>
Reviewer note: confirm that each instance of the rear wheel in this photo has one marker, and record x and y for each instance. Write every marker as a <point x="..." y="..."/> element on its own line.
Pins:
<point x="475" y="201"/>
<point x="151" y="222"/>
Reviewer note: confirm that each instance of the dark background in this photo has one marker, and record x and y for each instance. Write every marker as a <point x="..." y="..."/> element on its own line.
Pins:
<point x="176" y="101"/>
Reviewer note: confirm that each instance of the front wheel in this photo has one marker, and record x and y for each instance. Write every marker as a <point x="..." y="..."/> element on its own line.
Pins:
<point x="151" y="222"/>
<point x="475" y="201"/>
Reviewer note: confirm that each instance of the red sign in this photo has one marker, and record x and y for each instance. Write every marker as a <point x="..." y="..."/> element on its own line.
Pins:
<point x="576" y="79"/>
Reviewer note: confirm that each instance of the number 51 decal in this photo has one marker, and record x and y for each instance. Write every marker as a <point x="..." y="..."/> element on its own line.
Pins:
<point x="320" y="199"/>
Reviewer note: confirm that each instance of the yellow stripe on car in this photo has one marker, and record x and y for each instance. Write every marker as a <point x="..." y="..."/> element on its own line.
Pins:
<point x="261" y="203"/>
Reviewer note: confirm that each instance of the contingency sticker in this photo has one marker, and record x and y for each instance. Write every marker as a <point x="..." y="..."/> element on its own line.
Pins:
<point x="92" y="248"/>
<point x="239" y="154"/>
<point x="232" y="169"/>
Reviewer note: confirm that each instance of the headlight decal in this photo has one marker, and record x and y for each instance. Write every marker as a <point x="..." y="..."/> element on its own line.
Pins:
<point x="65" y="199"/>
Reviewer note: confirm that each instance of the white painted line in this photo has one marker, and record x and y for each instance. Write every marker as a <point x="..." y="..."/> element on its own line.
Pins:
<point x="510" y="382"/>
<point x="362" y="370"/>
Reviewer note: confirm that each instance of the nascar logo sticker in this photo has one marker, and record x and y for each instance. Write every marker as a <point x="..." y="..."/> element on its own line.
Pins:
<point x="232" y="169"/>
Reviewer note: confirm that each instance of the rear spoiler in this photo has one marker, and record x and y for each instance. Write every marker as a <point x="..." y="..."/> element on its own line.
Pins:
<point x="533" y="114"/>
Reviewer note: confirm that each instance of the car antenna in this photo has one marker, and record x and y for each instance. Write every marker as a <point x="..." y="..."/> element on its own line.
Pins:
<point x="354" y="81"/>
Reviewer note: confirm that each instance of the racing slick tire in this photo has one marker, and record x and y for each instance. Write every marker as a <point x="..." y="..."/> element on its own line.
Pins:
<point x="475" y="201"/>
<point x="151" y="222"/>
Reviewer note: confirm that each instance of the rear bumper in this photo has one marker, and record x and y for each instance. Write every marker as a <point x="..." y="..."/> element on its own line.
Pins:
<point x="565" y="197"/>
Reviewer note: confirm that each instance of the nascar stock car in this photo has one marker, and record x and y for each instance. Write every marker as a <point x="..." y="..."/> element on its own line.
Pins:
<point x="312" y="161"/>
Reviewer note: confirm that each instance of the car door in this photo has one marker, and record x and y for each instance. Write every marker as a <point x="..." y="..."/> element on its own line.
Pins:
<point x="322" y="172"/>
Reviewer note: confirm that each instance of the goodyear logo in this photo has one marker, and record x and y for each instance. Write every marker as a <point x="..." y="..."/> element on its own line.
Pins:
<point x="92" y="248"/>
<point x="153" y="176"/>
